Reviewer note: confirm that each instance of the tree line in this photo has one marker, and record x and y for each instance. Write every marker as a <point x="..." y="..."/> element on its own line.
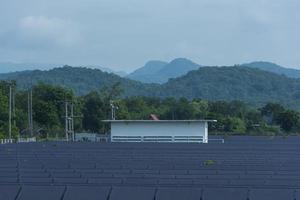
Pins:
<point x="234" y="117"/>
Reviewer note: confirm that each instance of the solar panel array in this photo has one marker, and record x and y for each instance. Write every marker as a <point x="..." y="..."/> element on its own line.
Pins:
<point x="242" y="168"/>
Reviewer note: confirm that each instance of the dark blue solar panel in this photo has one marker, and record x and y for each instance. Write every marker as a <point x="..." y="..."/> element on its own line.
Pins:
<point x="271" y="194"/>
<point x="140" y="181"/>
<point x="177" y="182"/>
<point x="70" y="180"/>
<point x="8" y="192"/>
<point x="247" y="182"/>
<point x="35" y="180"/>
<point x="225" y="194"/>
<point x="41" y="193"/>
<point x="132" y="193"/>
<point x="4" y="180"/>
<point x="257" y="163"/>
<point x="178" y="194"/>
<point x="86" y="193"/>
<point x="108" y="181"/>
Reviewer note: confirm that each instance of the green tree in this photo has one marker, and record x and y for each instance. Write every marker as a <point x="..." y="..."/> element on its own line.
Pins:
<point x="94" y="111"/>
<point x="271" y="112"/>
<point x="288" y="120"/>
<point x="235" y="125"/>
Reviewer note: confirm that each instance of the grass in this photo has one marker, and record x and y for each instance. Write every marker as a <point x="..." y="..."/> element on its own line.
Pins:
<point x="209" y="162"/>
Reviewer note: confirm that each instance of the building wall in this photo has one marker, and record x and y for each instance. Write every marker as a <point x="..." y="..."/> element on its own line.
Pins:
<point x="159" y="129"/>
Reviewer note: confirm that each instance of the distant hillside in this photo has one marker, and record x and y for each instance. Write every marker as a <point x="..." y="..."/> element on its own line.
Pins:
<point x="272" y="67"/>
<point x="7" y="67"/>
<point x="148" y="72"/>
<point x="161" y="72"/>
<point x="106" y="69"/>
<point x="81" y="80"/>
<point x="250" y="85"/>
<point x="235" y="83"/>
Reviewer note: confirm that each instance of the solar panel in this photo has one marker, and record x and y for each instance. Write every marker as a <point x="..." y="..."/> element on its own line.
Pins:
<point x="8" y="192"/>
<point x="86" y="193"/>
<point x="271" y="194"/>
<point x="141" y="181"/>
<point x="178" y="194"/>
<point x="108" y="181"/>
<point x="225" y="194"/>
<point x="8" y="180"/>
<point x="41" y="192"/>
<point x="70" y="180"/>
<point x="132" y="193"/>
<point x="177" y="182"/>
<point x="263" y="165"/>
<point x="35" y="180"/>
<point x="35" y="175"/>
<point x="247" y="182"/>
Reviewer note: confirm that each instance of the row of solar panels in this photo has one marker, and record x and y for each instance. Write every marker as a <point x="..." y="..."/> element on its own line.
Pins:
<point x="149" y="173"/>
<point x="264" y="167"/>
<point x="261" y="183"/>
<point x="209" y="174"/>
<point x="143" y="193"/>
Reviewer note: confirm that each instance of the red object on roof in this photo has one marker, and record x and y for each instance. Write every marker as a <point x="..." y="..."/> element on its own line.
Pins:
<point x="153" y="117"/>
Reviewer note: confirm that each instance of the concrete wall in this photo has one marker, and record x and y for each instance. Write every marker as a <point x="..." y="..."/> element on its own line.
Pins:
<point x="159" y="129"/>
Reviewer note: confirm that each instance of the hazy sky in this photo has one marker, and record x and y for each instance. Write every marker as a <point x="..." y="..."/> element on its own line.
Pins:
<point x="124" y="34"/>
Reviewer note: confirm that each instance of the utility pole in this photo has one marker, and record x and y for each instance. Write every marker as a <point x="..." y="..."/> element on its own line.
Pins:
<point x="66" y="120"/>
<point x="113" y="110"/>
<point x="14" y="107"/>
<point x="72" y="121"/>
<point x="28" y="110"/>
<point x="69" y="121"/>
<point x="9" y="112"/>
<point x="30" y="118"/>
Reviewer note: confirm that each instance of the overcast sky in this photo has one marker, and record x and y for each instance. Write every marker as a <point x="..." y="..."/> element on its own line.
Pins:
<point x="124" y="34"/>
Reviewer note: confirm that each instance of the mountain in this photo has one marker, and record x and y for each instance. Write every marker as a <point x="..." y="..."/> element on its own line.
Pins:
<point x="145" y="74"/>
<point x="234" y="83"/>
<point x="7" y="67"/>
<point x="80" y="79"/>
<point x="272" y="67"/>
<point x="108" y="70"/>
<point x="251" y="85"/>
<point x="161" y="72"/>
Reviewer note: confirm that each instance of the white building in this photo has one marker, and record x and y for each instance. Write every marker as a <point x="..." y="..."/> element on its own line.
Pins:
<point x="159" y="130"/>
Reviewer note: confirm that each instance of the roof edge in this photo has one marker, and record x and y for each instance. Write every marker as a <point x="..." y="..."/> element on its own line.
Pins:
<point x="158" y="121"/>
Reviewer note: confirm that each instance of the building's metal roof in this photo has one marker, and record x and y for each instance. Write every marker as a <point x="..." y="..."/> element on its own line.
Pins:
<point x="158" y="121"/>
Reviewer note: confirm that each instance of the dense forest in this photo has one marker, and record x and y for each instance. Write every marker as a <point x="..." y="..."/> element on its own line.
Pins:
<point x="234" y="117"/>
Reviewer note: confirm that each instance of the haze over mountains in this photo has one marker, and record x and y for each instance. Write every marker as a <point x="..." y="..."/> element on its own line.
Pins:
<point x="10" y="67"/>
<point x="161" y="72"/>
<point x="154" y="71"/>
<point x="242" y="82"/>
<point x="277" y="69"/>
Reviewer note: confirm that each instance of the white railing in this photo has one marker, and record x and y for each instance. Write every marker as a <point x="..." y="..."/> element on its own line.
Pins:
<point x="217" y="140"/>
<point x="177" y="139"/>
<point x="24" y="140"/>
<point x="7" y="141"/>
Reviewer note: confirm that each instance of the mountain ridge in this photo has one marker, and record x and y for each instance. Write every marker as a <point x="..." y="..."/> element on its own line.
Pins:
<point x="250" y="85"/>
<point x="161" y="72"/>
<point x="275" y="68"/>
